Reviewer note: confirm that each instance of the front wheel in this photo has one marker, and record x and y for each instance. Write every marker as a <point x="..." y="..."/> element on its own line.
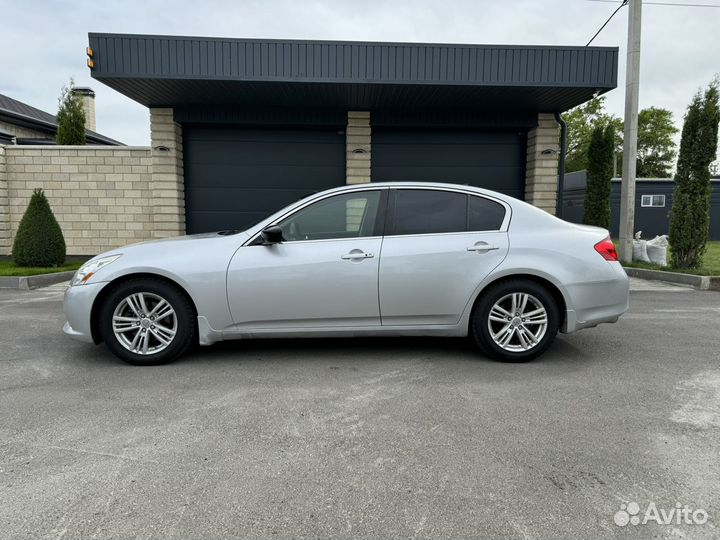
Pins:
<point x="147" y="321"/>
<point x="515" y="320"/>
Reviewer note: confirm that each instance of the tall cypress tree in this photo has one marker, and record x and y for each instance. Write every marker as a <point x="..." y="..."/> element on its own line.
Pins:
<point x="690" y="216"/>
<point x="70" y="118"/>
<point x="599" y="176"/>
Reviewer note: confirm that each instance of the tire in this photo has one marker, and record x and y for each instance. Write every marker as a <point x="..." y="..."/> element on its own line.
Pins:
<point x="149" y="336"/>
<point x="527" y="337"/>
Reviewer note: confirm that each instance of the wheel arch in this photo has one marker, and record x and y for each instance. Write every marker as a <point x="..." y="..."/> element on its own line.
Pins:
<point x="105" y="292"/>
<point x="552" y="288"/>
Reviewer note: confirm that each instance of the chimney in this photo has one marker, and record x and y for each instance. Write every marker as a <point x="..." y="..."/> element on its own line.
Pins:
<point x="88" y="103"/>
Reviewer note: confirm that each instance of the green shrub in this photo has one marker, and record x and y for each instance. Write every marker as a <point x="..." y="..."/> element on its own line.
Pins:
<point x="690" y="215"/>
<point x="39" y="240"/>
<point x="601" y="154"/>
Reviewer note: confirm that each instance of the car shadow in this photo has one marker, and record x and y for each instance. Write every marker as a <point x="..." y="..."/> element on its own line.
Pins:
<point x="348" y="350"/>
<point x="344" y="352"/>
<point x="340" y="348"/>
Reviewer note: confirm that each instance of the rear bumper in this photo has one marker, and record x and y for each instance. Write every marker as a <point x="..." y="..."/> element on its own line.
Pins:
<point x="593" y="303"/>
<point x="77" y="306"/>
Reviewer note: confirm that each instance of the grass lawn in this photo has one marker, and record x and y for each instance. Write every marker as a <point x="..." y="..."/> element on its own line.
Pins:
<point x="710" y="267"/>
<point x="8" y="268"/>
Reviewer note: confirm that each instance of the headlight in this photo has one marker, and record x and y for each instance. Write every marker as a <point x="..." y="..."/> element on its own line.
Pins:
<point x="87" y="270"/>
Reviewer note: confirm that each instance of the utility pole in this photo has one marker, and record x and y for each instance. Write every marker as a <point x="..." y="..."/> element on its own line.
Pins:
<point x="632" y="88"/>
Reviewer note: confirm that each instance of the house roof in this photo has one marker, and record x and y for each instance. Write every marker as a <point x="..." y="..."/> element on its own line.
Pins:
<point x="176" y="71"/>
<point x="21" y="114"/>
<point x="5" y="137"/>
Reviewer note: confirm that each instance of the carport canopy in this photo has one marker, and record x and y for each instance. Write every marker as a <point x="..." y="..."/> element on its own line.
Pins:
<point x="171" y="71"/>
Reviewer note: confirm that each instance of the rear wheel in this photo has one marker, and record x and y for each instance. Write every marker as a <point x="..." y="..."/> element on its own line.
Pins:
<point x="515" y="320"/>
<point x="147" y="321"/>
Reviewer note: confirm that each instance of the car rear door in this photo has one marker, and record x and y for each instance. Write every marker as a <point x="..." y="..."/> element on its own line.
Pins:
<point x="439" y="246"/>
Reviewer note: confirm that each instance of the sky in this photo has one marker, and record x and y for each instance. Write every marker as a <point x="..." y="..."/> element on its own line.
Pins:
<point x="44" y="40"/>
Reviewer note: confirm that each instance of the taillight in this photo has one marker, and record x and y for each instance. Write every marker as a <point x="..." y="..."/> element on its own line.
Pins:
<point x="607" y="249"/>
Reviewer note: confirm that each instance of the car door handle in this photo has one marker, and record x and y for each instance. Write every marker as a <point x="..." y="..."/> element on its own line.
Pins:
<point x="356" y="254"/>
<point x="482" y="247"/>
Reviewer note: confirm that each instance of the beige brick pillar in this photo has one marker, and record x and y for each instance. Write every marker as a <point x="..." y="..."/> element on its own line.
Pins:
<point x="5" y="247"/>
<point x="542" y="168"/>
<point x="357" y="147"/>
<point x="167" y="182"/>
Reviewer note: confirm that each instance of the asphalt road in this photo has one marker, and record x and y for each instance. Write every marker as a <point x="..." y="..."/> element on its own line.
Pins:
<point x="372" y="438"/>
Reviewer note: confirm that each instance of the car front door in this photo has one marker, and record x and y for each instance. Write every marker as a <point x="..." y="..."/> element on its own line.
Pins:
<point x="323" y="274"/>
<point x="439" y="246"/>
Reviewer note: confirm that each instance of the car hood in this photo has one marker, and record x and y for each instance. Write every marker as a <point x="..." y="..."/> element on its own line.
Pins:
<point x="186" y="238"/>
<point x="175" y="244"/>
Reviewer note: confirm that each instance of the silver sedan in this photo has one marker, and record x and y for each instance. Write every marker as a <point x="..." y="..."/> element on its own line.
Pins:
<point x="404" y="259"/>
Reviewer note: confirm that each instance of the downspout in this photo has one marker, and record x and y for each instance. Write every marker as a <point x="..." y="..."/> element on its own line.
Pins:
<point x="561" y="165"/>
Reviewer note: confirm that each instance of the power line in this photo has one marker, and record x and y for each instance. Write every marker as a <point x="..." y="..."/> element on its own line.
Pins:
<point x="605" y="23"/>
<point x="674" y="4"/>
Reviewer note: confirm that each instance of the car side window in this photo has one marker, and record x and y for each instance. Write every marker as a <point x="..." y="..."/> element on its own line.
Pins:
<point x="351" y="215"/>
<point x="484" y="214"/>
<point x="426" y="211"/>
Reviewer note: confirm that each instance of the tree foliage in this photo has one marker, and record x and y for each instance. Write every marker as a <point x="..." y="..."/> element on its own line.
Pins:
<point x="70" y="118"/>
<point x="599" y="175"/>
<point x="580" y="122"/>
<point x="39" y="240"/>
<point x="690" y="216"/>
<point x="656" y="147"/>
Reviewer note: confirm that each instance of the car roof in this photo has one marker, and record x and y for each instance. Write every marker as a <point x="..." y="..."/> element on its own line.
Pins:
<point x="424" y="185"/>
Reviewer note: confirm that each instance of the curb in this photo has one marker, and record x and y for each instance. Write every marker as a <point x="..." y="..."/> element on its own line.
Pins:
<point x="702" y="283"/>
<point x="25" y="283"/>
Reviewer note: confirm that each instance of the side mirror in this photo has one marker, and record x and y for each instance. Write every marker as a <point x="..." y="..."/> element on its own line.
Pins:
<point x="272" y="235"/>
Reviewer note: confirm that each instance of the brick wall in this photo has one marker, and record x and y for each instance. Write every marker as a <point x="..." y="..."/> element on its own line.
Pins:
<point x="168" y="183"/>
<point x="4" y="211"/>
<point x="542" y="169"/>
<point x="357" y="147"/>
<point x="100" y="195"/>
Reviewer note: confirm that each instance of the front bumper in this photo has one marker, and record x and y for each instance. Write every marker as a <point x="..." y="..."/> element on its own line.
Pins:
<point x="77" y="306"/>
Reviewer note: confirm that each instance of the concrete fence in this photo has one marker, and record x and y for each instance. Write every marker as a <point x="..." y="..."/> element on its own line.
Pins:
<point x="100" y="195"/>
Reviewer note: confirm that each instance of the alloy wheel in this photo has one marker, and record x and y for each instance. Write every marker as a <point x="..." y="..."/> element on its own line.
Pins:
<point x="517" y="322"/>
<point x="144" y="323"/>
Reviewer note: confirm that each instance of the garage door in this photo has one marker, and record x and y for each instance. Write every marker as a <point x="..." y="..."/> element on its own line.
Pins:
<point x="234" y="177"/>
<point x="491" y="160"/>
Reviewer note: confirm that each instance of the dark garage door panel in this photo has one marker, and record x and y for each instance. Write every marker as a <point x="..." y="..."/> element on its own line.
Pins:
<point x="234" y="177"/>
<point x="491" y="160"/>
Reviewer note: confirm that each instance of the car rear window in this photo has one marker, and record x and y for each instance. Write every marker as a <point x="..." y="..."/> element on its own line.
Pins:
<point x="485" y="215"/>
<point x="423" y="211"/>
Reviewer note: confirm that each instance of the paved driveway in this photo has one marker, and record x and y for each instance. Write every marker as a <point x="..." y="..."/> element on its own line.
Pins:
<point x="362" y="438"/>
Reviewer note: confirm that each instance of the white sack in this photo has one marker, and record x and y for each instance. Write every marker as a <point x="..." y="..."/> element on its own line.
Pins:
<point x="640" y="249"/>
<point x="657" y="250"/>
